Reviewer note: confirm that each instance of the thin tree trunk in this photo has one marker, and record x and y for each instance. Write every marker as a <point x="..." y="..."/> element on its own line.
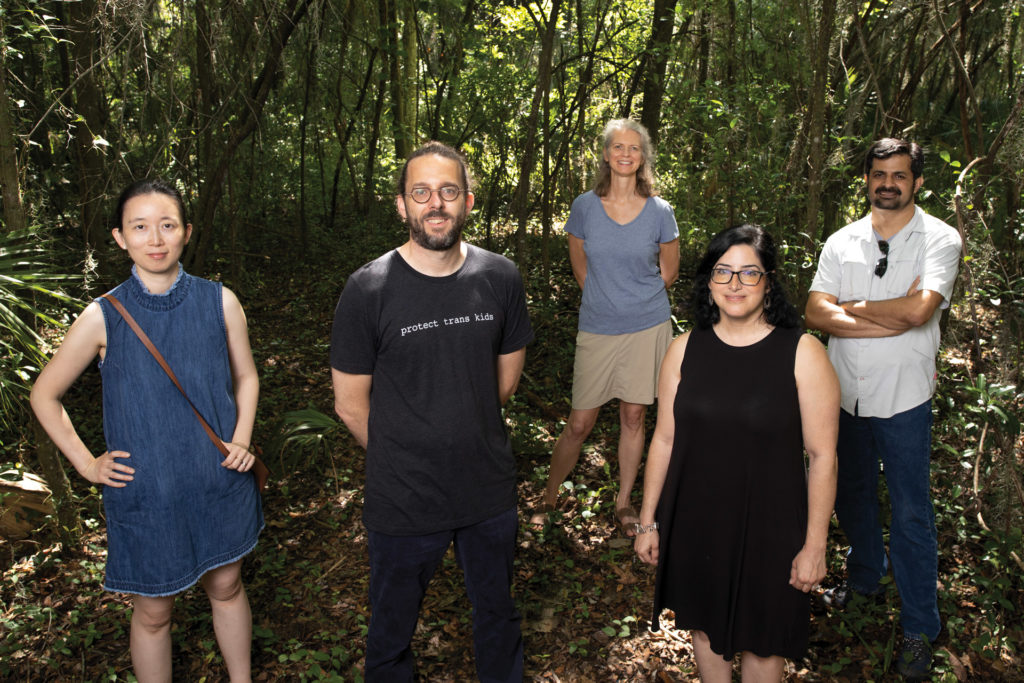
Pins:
<point x="68" y="522"/>
<point x="521" y="201"/>
<point x="91" y="110"/>
<point x="818" y="103"/>
<point x="247" y="116"/>
<point x="658" y="50"/>
<point x="10" y="181"/>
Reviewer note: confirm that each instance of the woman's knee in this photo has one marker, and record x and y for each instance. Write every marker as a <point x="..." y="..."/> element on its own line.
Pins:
<point x="631" y="416"/>
<point x="580" y="424"/>
<point x="224" y="583"/>
<point x="152" y="614"/>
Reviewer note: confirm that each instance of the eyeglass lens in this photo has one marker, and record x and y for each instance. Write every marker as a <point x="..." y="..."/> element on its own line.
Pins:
<point x="723" y="276"/>
<point x="421" y="195"/>
<point x="883" y="263"/>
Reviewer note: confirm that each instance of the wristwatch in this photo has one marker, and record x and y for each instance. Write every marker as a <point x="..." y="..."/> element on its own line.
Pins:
<point x="639" y="528"/>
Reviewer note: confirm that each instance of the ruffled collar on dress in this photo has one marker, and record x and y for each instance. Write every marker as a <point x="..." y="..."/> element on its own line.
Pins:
<point x="163" y="301"/>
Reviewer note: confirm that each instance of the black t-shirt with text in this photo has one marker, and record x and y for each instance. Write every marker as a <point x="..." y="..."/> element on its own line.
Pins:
<point x="438" y="456"/>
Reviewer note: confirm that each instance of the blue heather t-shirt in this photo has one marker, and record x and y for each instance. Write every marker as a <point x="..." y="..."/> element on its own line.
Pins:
<point x="623" y="291"/>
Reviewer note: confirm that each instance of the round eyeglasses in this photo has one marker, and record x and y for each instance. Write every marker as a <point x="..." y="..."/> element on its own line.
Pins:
<point x="421" y="195"/>
<point x="748" y="276"/>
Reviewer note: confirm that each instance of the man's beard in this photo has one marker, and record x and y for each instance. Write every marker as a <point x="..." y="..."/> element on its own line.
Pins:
<point x="890" y="203"/>
<point x="442" y="242"/>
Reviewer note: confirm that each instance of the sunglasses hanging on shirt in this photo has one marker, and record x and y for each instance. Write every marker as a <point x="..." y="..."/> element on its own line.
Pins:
<point x="883" y="263"/>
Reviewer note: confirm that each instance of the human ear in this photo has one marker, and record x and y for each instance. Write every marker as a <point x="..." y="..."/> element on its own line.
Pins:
<point x="119" y="238"/>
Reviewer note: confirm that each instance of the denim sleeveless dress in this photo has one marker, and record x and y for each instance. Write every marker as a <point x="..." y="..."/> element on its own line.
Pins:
<point x="183" y="514"/>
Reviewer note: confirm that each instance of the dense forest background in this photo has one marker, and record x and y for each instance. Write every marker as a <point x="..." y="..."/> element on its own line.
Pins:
<point x="284" y="122"/>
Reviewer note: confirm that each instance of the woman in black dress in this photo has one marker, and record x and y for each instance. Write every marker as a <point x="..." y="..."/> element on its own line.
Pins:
<point x="732" y="516"/>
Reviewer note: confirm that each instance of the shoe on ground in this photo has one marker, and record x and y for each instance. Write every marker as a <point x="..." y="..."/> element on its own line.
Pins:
<point x="915" y="660"/>
<point x="840" y="596"/>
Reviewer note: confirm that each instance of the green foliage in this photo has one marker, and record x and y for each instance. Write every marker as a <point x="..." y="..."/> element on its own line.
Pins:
<point x="30" y="292"/>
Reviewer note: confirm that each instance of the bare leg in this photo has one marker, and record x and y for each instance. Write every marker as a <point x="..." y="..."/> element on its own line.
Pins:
<point x="631" y="449"/>
<point x="150" y="641"/>
<point x="232" y="619"/>
<point x="567" y="449"/>
<point x="754" y="669"/>
<point x="713" y="667"/>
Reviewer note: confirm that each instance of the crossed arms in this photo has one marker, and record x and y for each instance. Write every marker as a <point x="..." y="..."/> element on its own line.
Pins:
<point x="870" y="319"/>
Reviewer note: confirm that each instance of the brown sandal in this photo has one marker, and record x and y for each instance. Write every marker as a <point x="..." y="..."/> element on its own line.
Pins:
<point x="539" y="516"/>
<point x="624" y="514"/>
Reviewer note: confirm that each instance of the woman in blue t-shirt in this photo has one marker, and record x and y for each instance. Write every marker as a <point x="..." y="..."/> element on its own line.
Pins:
<point x="624" y="250"/>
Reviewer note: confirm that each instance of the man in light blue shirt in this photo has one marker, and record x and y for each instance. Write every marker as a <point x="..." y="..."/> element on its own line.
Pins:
<point x="878" y="292"/>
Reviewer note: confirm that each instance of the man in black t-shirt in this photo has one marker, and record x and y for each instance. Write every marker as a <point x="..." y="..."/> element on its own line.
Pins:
<point x="427" y="345"/>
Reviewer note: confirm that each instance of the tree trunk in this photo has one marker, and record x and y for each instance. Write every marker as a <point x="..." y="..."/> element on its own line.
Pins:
<point x="818" y="102"/>
<point x="402" y="59"/>
<point x="658" y="50"/>
<point x="91" y="110"/>
<point x="521" y="200"/>
<point x="51" y="465"/>
<point x="244" y="117"/>
<point x="10" y="181"/>
<point x="371" y="149"/>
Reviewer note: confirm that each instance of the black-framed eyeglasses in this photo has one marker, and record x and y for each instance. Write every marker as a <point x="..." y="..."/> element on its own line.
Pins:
<point x="883" y="263"/>
<point x="747" y="276"/>
<point x="421" y="195"/>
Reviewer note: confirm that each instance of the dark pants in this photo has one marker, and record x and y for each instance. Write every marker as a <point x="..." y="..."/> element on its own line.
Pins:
<point x="400" y="569"/>
<point x="903" y="444"/>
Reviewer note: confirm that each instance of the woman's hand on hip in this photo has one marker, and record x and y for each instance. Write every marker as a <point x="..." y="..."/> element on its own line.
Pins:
<point x="238" y="458"/>
<point x="108" y="471"/>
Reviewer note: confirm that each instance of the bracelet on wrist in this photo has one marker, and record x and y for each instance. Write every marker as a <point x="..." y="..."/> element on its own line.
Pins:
<point x="644" y="528"/>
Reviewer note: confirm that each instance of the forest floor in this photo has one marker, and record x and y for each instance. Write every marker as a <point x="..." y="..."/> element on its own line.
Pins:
<point x="584" y="596"/>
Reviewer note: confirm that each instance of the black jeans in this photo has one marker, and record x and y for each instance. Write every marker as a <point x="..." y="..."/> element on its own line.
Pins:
<point x="400" y="569"/>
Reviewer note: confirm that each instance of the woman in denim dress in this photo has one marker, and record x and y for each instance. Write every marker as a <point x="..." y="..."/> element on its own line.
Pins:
<point x="177" y="512"/>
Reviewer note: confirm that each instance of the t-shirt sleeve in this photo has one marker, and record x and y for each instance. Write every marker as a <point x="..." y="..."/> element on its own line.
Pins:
<point x="669" y="227"/>
<point x="941" y="260"/>
<point x="353" y="338"/>
<point x="829" y="276"/>
<point x="576" y="223"/>
<point x="518" y="332"/>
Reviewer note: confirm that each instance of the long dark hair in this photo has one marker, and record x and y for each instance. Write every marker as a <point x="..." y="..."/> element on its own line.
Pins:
<point x="778" y="310"/>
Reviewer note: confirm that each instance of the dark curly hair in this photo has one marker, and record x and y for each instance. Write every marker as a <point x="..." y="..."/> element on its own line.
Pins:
<point x="778" y="310"/>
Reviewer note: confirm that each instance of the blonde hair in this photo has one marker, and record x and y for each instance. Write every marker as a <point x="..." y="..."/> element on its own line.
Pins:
<point x="644" y="174"/>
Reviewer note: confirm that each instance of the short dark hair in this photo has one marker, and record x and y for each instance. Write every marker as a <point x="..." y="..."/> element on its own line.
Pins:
<point x="147" y="186"/>
<point x="780" y="312"/>
<point x="887" y="147"/>
<point x="441" y="150"/>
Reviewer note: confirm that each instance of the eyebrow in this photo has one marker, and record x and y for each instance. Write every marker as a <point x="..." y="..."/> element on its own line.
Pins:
<point x="142" y="218"/>
<point x="728" y="265"/>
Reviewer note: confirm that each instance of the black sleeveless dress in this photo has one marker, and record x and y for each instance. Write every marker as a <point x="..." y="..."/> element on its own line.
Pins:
<point x="733" y="510"/>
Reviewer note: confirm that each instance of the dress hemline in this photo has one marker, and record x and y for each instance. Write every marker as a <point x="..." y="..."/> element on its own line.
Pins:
<point x="186" y="583"/>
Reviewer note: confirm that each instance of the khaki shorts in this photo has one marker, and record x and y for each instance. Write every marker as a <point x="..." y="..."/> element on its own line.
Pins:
<point x="622" y="366"/>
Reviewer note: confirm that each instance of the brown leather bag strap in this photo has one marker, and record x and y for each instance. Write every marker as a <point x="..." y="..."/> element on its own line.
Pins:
<point x="259" y="469"/>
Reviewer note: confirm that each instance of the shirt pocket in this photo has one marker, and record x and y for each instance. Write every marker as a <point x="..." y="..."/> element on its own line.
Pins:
<point x="857" y="271"/>
<point x="903" y="268"/>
